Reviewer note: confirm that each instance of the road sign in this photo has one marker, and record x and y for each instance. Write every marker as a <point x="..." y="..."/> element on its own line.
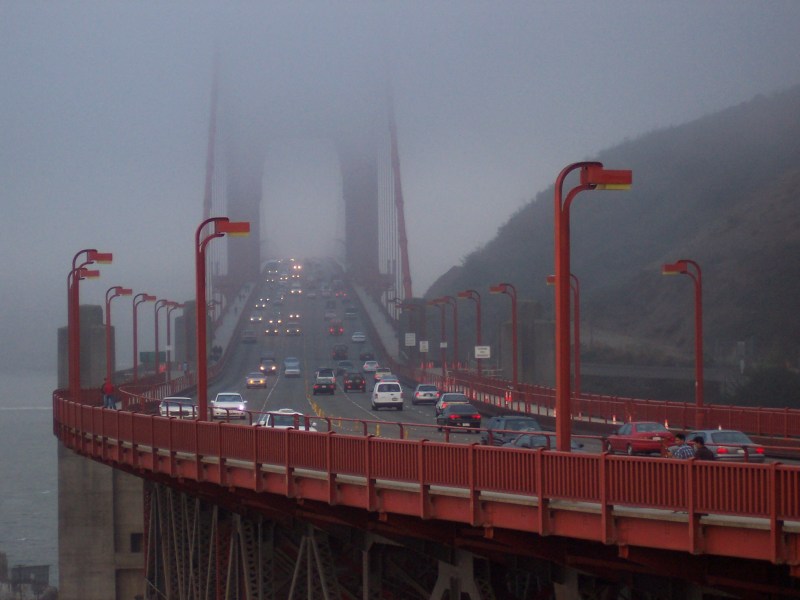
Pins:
<point x="442" y="344"/>
<point x="411" y="339"/>
<point x="483" y="352"/>
<point x="423" y="345"/>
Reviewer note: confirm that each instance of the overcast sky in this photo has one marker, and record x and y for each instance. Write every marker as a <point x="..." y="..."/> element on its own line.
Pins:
<point x="104" y="117"/>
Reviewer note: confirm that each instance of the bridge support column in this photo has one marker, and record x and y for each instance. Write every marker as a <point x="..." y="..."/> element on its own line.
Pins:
<point x="468" y="576"/>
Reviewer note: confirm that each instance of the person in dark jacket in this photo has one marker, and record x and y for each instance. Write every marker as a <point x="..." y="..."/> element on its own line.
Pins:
<point x="700" y="450"/>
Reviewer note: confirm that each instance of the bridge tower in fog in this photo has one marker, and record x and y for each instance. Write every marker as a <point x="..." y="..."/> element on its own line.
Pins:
<point x="370" y="234"/>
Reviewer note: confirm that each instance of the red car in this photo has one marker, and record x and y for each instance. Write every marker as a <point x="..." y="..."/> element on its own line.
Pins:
<point x="640" y="437"/>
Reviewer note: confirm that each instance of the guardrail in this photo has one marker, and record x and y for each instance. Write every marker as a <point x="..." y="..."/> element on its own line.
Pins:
<point x="236" y="456"/>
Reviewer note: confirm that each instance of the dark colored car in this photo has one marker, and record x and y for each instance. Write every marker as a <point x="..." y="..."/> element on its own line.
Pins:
<point x="343" y="367"/>
<point x="268" y="366"/>
<point x="339" y="352"/>
<point x="335" y="327"/>
<point x="505" y="428"/>
<point x="355" y="382"/>
<point x="459" y="415"/>
<point x="531" y="441"/>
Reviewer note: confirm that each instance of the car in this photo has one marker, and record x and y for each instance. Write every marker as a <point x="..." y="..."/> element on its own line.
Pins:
<point x="504" y="428"/>
<point x="729" y="445"/>
<point x="449" y="398"/>
<point x="329" y="314"/>
<point x="343" y="367"/>
<point x="272" y="330"/>
<point x="640" y="437"/>
<point x="358" y="337"/>
<point x="381" y="372"/>
<point x="286" y="418"/>
<point x="335" y="327"/>
<point x="178" y="406"/>
<point x="229" y="405"/>
<point x="339" y="352"/>
<point x="291" y="367"/>
<point x="459" y="414"/>
<point x="324" y="382"/>
<point x="350" y="313"/>
<point x="425" y="392"/>
<point x="366" y="355"/>
<point x="387" y="394"/>
<point x="256" y="318"/>
<point x="311" y="294"/>
<point x="531" y="441"/>
<point x="370" y="366"/>
<point x="354" y="382"/>
<point x="293" y="328"/>
<point x="294" y="316"/>
<point x="268" y="366"/>
<point x="296" y="290"/>
<point x="256" y="379"/>
<point x="249" y="335"/>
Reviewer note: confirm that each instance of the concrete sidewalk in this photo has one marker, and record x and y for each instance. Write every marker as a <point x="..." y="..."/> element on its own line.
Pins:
<point x="380" y="321"/>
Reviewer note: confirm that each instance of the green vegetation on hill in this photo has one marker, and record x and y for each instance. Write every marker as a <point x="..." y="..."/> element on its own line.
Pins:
<point x="722" y="190"/>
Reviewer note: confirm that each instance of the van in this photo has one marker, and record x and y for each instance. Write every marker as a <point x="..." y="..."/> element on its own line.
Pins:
<point x="387" y="394"/>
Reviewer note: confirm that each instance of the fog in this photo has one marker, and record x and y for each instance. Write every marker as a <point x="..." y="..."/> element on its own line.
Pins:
<point x="104" y="121"/>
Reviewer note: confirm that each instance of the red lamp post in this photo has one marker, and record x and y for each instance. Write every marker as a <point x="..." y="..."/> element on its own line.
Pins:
<point x="170" y="307"/>
<point x="440" y="302"/>
<point x="576" y="327"/>
<point x="474" y="295"/>
<point x="511" y="291"/>
<point x="137" y="300"/>
<point x="450" y="301"/>
<point x="73" y="312"/>
<point x="222" y="225"/>
<point x="156" y="307"/>
<point x="592" y="177"/>
<point x="692" y="269"/>
<point x="111" y="293"/>
<point x="418" y="325"/>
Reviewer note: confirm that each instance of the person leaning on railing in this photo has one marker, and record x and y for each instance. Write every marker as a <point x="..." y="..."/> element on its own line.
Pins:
<point x="701" y="452"/>
<point x="682" y="449"/>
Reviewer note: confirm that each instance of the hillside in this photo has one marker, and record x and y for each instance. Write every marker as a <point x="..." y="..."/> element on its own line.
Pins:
<point x="722" y="190"/>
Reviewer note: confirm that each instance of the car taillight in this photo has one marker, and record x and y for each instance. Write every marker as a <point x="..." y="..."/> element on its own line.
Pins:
<point x="477" y="417"/>
<point x="417" y="395"/>
<point x="722" y="450"/>
<point x="759" y="450"/>
<point x="453" y="416"/>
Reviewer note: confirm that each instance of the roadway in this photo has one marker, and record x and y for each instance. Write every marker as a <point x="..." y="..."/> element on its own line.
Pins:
<point x="349" y="412"/>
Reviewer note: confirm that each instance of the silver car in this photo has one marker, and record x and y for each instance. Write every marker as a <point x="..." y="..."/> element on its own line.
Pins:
<point x="729" y="445"/>
<point x="178" y="406"/>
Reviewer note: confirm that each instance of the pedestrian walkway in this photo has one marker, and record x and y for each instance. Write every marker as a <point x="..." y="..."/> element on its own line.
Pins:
<point x="380" y="322"/>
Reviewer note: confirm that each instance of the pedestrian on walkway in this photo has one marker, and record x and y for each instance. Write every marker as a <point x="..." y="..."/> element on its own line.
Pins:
<point x="108" y="394"/>
<point x="682" y="449"/>
<point x="701" y="452"/>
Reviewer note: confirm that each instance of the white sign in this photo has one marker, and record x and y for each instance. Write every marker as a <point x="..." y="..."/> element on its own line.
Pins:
<point x="442" y="344"/>
<point x="483" y="352"/>
<point x="411" y="339"/>
<point x="423" y="345"/>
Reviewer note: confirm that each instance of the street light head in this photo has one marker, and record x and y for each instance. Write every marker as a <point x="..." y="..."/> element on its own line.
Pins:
<point x="122" y="291"/>
<point x="88" y="273"/>
<point x="676" y="268"/>
<point x="235" y="228"/>
<point x="101" y="258"/>
<point x="500" y="288"/>
<point x="148" y="298"/>
<point x="607" y="179"/>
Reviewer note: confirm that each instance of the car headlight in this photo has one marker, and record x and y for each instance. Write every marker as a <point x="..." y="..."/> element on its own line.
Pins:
<point x="241" y="407"/>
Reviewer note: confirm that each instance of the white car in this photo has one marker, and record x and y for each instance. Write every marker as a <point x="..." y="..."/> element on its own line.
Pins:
<point x="178" y="406"/>
<point x="285" y="418"/>
<point x="229" y="405"/>
<point x="370" y="366"/>
<point x="387" y="394"/>
<point x="291" y="367"/>
<point x="358" y="337"/>
<point x="425" y="392"/>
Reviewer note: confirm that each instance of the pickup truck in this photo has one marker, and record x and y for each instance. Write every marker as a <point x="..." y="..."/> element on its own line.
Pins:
<point x="324" y="382"/>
